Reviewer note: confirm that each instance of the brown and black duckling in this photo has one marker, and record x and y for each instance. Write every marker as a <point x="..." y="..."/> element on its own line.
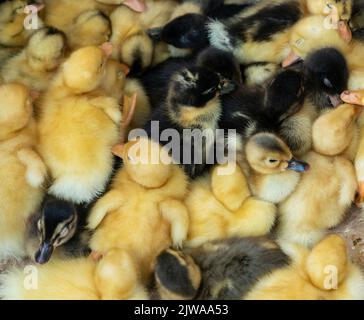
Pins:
<point x="59" y="227"/>
<point x="192" y="102"/>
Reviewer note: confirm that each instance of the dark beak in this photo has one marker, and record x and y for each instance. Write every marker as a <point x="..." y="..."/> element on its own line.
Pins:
<point x="155" y="33"/>
<point x="44" y="253"/>
<point x="227" y="86"/>
<point x="298" y="166"/>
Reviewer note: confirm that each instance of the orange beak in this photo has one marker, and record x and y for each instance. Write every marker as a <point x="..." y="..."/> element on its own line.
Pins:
<point x="345" y="31"/>
<point x="107" y="48"/>
<point x="353" y="97"/>
<point x="291" y="59"/>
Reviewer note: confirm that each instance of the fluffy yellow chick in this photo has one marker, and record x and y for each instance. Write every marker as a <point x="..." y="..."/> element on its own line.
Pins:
<point x="143" y="213"/>
<point x="323" y="273"/>
<point x="77" y="279"/>
<point x="129" y="38"/>
<point x="79" y="123"/>
<point x="37" y="63"/>
<point x="13" y="14"/>
<point x="220" y="206"/>
<point x="22" y="172"/>
<point x="320" y="200"/>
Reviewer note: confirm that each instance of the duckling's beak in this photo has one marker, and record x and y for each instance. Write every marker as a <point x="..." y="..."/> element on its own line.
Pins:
<point x="335" y="100"/>
<point x="44" y="253"/>
<point x="298" y="166"/>
<point x="291" y="59"/>
<point x="227" y="86"/>
<point x="345" y="31"/>
<point x="136" y="5"/>
<point x="155" y="33"/>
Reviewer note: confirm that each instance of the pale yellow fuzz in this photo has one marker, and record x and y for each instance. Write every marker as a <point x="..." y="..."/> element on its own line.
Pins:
<point x="79" y="124"/>
<point x="221" y="206"/>
<point x="129" y="32"/>
<point x="324" y="273"/>
<point x="37" y="63"/>
<point x="143" y="213"/>
<point x="22" y="171"/>
<point x="320" y="201"/>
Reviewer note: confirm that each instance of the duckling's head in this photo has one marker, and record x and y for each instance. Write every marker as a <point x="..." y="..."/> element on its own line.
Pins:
<point x="91" y="28"/>
<point x="45" y="49"/>
<point x="56" y="226"/>
<point x="326" y="7"/>
<point x="222" y="62"/>
<point x="268" y="154"/>
<point x="196" y="86"/>
<point x="184" y="32"/>
<point x="177" y="276"/>
<point x="285" y="94"/>
<point x="12" y="17"/>
<point x="146" y="162"/>
<point x="328" y="76"/>
<point x="311" y="34"/>
<point x="85" y="69"/>
<point x="114" y="79"/>
<point x="15" y="108"/>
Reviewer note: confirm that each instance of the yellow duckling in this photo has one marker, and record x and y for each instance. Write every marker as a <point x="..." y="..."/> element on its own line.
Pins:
<point x="37" y="63"/>
<point x="22" y="171"/>
<point x="131" y="43"/>
<point x="146" y="197"/>
<point x="357" y="98"/>
<point x="320" y="201"/>
<point x="323" y="273"/>
<point x="220" y="206"/>
<point x="273" y="173"/>
<point x="79" y="123"/>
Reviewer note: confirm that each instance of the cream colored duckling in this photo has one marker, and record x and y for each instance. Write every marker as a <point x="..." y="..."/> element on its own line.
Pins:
<point x="320" y="201"/>
<point x="22" y="172"/>
<point x="79" y="123"/>
<point x="220" y="206"/>
<point x="37" y="63"/>
<point x="323" y="273"/>
<point x="273" y="173"/>
<point x="143" y="213"/>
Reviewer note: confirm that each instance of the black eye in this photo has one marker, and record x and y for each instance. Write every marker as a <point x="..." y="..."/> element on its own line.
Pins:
<point x="209" y="91"/>
<point x="273" y="160"/>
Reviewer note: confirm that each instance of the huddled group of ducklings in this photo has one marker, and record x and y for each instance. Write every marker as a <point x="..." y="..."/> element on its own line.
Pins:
<point x="99" y="223"/>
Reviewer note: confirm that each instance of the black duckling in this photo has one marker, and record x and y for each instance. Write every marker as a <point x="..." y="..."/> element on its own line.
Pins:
<point x="327" y="77"/>
<point x="156" y="80"/>
<point x="59" y="224"/>
<point x="223" y="270"/>
<point x="193" y="102"/>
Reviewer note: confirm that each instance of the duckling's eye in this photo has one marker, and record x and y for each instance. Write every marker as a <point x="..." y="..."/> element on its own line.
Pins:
<point x="330" y="6"/>
<point x="63" y="233"/>
<point x="209" y="91"/>
<point x="272" y="161"/>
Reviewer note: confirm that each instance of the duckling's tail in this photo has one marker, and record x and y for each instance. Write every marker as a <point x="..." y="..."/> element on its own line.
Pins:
<point x="219" y="36"/>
